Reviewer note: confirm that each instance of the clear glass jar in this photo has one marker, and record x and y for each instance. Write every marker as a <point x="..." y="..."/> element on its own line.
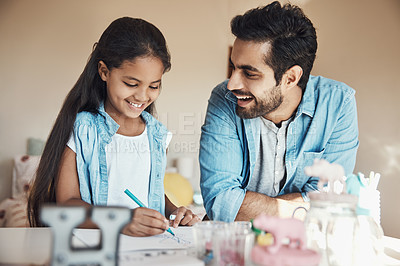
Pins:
<point x="331" y="226"/>
<point x="315" y="223"/>
<point x="341" y="234"/>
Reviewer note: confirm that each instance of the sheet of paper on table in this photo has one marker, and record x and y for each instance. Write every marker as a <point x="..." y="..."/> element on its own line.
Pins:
<point x="183" y="239"/>
<point x="164" y="249"/>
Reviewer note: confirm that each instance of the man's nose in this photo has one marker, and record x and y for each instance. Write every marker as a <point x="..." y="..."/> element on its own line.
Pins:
<point x="234" y="82"/>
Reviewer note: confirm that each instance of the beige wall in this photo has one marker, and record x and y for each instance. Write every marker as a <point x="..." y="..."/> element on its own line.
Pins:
<point x="359" y="44"/>
<point x="44" y="46"/>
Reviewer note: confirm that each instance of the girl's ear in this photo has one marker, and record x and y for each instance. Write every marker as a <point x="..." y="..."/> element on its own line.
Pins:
<point x="103" y="70"/>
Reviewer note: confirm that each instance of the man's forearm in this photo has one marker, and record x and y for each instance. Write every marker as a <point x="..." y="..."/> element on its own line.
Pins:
<point x="254" y="204"/>
<point x="295" y="197"/>
<point x="283" y="206"/>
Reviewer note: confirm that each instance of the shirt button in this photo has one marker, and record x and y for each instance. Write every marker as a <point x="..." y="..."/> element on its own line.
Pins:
<point x="276" y="172"/>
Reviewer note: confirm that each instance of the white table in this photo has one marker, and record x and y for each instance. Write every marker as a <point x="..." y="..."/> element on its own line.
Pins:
<point x="33" y="246"/>
<point x="25" y="246"/>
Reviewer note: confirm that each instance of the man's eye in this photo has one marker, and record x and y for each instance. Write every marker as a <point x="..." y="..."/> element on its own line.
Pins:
<point x="249" y="75"/>
<point x="154" y="87"/>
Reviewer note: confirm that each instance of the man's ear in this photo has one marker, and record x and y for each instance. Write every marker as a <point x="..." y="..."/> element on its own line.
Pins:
<point x="103" y="70"/>
<point x="292" y="76"/>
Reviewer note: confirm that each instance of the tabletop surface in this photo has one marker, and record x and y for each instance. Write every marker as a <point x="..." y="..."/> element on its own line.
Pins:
<point x="33" y="246"/>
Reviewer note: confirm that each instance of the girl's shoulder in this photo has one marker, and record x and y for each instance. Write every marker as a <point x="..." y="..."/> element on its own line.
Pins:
<point x="86" y="118"/>
<point x="95" y="124"/>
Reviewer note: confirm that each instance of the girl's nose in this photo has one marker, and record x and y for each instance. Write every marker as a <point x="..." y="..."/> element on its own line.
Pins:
<point x="141" y="94"/>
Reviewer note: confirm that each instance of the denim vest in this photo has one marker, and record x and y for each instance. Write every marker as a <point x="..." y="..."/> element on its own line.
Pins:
<point x="324" y="126"/>
<point x="92" y="132"/>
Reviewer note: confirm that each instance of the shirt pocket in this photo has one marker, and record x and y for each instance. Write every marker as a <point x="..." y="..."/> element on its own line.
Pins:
<point x="310" y="156"/>
<point x="306" y="160"/>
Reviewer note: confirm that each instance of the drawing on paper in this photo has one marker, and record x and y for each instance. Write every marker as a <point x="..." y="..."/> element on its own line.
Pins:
<point x="178" y="238"/>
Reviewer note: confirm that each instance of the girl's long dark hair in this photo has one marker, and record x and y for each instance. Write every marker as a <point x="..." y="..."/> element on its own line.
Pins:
<point x="124" y="39"/>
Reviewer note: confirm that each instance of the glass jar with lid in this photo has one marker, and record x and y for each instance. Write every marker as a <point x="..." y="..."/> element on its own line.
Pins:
<point x="342" y="231"/>
<point x="330" y="220"/>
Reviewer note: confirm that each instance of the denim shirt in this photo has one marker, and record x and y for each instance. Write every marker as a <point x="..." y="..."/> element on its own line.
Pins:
<point x="324" y="126"/>
<point x="92" y="132"/>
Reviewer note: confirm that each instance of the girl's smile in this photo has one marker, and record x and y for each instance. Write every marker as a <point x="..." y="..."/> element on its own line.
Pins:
<point x="136" y="107"/>
<point x="135" y="104"/>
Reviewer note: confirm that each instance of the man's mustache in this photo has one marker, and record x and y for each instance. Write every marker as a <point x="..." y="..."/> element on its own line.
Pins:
<point x="242" y="93"/>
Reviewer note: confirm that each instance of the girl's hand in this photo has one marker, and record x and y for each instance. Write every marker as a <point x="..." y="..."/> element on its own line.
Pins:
<point x="146" y="222"/>
<point x="184" y="217"/>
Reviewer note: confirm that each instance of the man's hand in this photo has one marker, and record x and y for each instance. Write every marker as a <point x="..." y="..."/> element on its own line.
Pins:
<point x="295" y="209"/>
<point x="282" y="206"/>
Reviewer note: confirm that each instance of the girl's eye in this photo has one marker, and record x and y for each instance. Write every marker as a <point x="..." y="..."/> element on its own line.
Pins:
<point x="130" y="85"/>
<point x="154" y="87"/>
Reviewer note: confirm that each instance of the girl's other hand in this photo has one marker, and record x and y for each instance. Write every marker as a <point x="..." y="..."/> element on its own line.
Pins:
<point x="146" y="222"/>
<point x="184" y="216"/>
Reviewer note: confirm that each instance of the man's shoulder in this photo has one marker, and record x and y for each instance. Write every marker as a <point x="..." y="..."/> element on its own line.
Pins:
<point x="222" y="93"/>
<point x="322" y="93"/>
<point x="322" y="85"/>
<point x="221" y="88"/>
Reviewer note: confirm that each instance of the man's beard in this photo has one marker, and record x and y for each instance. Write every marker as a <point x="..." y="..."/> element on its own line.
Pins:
<point x="272" y="99"/>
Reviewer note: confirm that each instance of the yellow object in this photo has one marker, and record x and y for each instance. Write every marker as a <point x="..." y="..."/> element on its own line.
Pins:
<point x="265" y="239"/>
<point x="178" y="189"/>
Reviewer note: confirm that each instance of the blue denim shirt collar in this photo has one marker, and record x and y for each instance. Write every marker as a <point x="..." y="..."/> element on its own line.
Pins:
<point x="308" y="102"/>
<point x="112" y="127"/>
<point x="229" y="95"/>
<point x="158" y="130"/>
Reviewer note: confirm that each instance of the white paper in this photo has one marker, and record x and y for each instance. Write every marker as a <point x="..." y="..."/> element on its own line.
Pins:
<point x="133" y="258"/>
<point x="183" y="239"/>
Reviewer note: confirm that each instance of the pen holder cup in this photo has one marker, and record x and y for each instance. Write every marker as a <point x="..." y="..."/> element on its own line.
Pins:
<point x="204" y="233"/>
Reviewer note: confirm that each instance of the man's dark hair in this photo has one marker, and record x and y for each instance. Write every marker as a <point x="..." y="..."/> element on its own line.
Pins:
<point x="291" y="34"/>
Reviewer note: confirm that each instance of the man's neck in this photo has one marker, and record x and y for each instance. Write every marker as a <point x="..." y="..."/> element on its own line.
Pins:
<point x="288" y="107"/>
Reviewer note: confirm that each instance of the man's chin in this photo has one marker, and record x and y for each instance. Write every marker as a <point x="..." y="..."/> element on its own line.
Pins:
<point x="244" y="113"/>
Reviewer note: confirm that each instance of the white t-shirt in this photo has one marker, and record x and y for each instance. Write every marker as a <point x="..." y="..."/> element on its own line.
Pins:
<point x="128" y="167"/>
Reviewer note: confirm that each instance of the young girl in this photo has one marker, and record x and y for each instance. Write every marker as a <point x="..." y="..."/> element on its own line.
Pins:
<point x="105" y="139"/>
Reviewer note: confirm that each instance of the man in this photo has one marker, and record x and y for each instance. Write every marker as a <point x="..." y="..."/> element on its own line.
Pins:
<point x="271" y="119"/>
